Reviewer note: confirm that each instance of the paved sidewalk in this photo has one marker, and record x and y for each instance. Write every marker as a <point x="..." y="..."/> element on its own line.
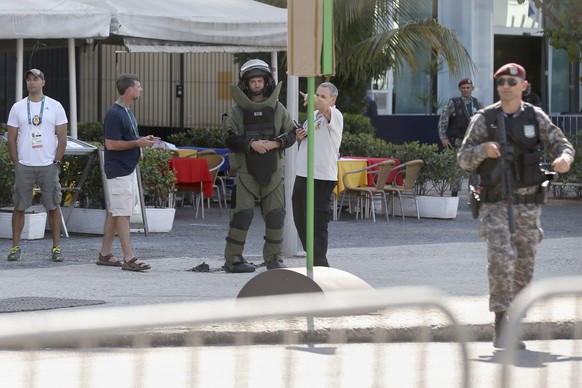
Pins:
<point x="444" y="254"/>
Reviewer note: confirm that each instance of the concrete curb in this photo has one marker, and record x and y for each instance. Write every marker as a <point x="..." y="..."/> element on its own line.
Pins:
<point x="182" y="336"/>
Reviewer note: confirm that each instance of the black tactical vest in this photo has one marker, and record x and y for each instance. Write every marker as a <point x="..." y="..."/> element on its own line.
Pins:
<point x="460" y="117"/>
<point x="523" y="154"/>
<point x="260" y="125"/>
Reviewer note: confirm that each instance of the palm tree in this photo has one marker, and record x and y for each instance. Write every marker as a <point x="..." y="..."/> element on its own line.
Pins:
<point x="374" y="35"/>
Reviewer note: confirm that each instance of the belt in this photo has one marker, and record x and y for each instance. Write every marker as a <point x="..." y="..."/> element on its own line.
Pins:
<point x="490" y="196"/>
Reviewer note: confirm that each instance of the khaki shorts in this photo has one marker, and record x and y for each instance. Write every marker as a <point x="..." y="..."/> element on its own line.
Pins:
<point x="122" y="195"/>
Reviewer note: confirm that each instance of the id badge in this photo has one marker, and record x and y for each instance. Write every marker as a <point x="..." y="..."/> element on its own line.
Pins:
<point x="36" y="137"/>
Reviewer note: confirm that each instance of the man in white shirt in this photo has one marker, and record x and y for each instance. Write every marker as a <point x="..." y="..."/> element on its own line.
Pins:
<point x="37" y="139"/>
<point x="328" y="128"/>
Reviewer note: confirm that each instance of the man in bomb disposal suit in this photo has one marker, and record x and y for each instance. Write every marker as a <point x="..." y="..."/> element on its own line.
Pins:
<point x="502" y="144"/>
<point x="257" y="130"/>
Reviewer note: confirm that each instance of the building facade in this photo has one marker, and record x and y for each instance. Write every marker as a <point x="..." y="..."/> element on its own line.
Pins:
<point x="493" y="32"/>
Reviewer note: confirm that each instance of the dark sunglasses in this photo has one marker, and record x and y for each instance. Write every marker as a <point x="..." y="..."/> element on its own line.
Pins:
<point x="510" y="81"/>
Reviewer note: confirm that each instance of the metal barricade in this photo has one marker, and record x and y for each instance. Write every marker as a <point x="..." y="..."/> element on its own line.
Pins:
<point x="570" y="124"/>
<point x="384" y="338"/>
<point x="558" y="296"/>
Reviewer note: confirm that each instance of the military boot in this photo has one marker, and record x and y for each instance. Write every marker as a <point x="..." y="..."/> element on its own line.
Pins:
<point x="275" y="262"/>
<point x="238" y="265"/>
<point x="500" y="319"/>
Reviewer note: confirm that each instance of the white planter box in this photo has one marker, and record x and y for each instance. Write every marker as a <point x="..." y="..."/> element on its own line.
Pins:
<point x="87" y="221"/>
<point x="160" y="220"/>
<point x="91" y="221"/>
<point x="428" y="206"/>
<point x="34" y="224"/>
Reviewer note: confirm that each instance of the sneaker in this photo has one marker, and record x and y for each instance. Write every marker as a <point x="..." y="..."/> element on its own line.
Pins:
<point x="14" y="253"/>
<point x="56" y="254"/>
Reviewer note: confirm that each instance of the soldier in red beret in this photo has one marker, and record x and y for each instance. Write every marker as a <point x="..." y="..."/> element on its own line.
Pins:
<point x="453" y="123"/>
<point x="511" y="250"/>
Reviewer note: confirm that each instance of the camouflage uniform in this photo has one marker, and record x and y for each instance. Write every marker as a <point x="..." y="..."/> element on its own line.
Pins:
<point x="510" y="258"/>
<point x="451" y="112"/>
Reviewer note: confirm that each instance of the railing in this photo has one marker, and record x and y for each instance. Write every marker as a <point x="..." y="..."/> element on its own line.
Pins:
<point x="282" y="341"/>
<point x="570" y="124"/>
<point x="401" y="337"/>
<point x="547" y="291"/>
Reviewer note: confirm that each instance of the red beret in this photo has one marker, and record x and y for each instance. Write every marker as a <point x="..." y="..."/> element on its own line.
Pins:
<point x="465" y="81"/>
<point x="510" y="69"/>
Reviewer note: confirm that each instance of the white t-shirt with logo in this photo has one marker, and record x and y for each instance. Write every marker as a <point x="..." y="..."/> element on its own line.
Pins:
<point x="328" y="138"/>
<point x="37" y="144"/>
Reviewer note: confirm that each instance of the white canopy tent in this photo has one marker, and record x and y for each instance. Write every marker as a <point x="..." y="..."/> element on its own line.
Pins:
<point x="196" y="25"/>
<point x="52" y="19"/>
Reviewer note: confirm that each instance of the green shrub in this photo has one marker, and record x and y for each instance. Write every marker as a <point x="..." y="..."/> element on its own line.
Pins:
<point x="7" y="173"/>
<point x="91" y="195"/>
<point x="90" y="132"/>
<point x="198" y="137"/>
<point x="358" y="124"/>
<point x="157" y="178"/>
<point x="363" y="145"/>
<point x="440" y="170"/>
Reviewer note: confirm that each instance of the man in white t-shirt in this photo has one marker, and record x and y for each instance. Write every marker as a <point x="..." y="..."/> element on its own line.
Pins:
<point x="328" y="128"/>
<point x="37" y="138"/>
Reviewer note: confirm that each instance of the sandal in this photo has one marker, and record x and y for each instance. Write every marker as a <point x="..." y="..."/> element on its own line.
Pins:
<point x="107" y="260"/>
<point x="134" y="265"/>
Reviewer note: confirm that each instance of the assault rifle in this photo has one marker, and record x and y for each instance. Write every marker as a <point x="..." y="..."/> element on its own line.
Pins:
<point x="506" y="174"/>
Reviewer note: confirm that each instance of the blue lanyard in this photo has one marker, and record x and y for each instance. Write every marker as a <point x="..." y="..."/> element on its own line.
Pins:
<point x="36" y="120"/>
<point x="131" y="118"/>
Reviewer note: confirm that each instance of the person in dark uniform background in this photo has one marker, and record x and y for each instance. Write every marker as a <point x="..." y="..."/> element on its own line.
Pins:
<point x="371" y="109"/>
<point x="257" y="130"/>
<point x="531" y="97"/>
<point x="454" y="121"/>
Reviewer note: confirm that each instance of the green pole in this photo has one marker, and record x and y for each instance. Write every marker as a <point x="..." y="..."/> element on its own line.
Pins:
<point x="327" y="49"/>
<point x="310" y="157"/>
<point x="326" y="68"/>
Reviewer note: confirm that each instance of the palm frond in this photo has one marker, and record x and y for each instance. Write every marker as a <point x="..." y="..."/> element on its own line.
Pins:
<point x="409" y="45"/>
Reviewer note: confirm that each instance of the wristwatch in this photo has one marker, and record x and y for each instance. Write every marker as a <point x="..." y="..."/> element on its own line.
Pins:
<point x="57" y="162"/>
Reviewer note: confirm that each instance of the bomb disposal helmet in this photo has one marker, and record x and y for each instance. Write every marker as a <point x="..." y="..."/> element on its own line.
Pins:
<point x="256" y="68"/>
